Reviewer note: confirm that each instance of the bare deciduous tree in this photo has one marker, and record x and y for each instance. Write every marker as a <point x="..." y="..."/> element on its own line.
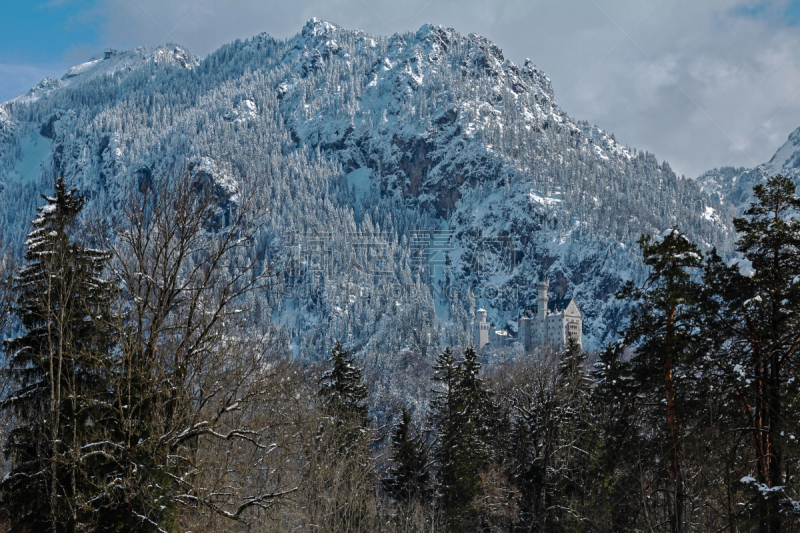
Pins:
<point x="195" y="374"/>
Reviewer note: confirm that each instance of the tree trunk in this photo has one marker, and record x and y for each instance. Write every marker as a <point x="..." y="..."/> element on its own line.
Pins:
<point x="774" y="455"/>
<point x="672" y="424"/>
<point x="675" y="466"/>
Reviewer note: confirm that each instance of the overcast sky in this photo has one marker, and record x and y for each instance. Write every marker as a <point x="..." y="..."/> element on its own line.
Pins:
<point x="702" y="84"/>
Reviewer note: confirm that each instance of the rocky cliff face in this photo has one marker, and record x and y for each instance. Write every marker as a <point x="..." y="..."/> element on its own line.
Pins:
<point x="476" y="182"/>
<point x="447" y="126"/>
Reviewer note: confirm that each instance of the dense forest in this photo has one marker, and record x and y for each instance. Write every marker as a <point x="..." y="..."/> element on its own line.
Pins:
<point x="145" y="389"/>
<point x="348" y="136"/>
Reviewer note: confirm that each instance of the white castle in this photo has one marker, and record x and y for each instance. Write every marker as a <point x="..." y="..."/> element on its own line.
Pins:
<point x="554" y="322"/>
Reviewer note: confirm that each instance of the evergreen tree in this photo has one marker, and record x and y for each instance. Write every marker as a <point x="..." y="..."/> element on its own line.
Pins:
<point x="663" y="333"/>
<point x="533" y="447"/>
<point x="754" y="309"/>
<point x="142" y="499"/>
<point x="408" y="477"/>
<point x="458" y="416"/>
<point x="552" y="453"/>
<point x="579" y="485"/>
<point x="348" y="485"/>
<point x="342" y="392"/>
<point x="57" y="367"/>
<point x="570" y="366"/>
<point x="614" y="399"/>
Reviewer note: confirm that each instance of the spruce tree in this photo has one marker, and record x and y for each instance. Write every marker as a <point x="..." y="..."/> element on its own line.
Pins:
<point x="342" y="392"/>
<point x="754" y="310"/>
<point x="57" y="371"/>
<point x="143" y="497"/>
<point x="459" y="418"/>
<point x="614" y="398"/>
<point x="578" y="486"/>
<point x="407" y="479"/>
<point x="350" y="483"/>
<point x="570" y="366"/>
<point x="663" y="333"/>
<point x="554" y="441"/>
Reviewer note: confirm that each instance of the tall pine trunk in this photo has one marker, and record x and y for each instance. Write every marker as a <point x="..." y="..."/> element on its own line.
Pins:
<point x="673" y="439"/>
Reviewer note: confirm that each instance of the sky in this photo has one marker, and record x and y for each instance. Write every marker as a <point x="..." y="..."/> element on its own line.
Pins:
<point x="702" y="84"/>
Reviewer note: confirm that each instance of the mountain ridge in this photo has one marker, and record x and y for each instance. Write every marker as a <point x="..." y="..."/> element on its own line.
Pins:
<point x="347" y="133"/>
<point x="734" y="186"/>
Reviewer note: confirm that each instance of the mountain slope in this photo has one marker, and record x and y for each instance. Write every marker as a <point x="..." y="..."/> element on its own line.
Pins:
<point x="734" y="186"/>
<point x="434" y="175"/>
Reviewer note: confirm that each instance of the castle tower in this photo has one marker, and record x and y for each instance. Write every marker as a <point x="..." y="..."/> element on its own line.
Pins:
<point x="526" y="331"/>
<point x="481" y="330"/>
<point x="573" y="323"/>
<point x="541" y="300"/>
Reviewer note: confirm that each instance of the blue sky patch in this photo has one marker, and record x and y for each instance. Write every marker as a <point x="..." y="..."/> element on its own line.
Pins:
<point x="779" y="13"/>
<point x="47" y="30"/>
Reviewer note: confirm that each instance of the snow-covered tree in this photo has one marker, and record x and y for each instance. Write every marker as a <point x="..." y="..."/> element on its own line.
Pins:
<point x="342" y="392"/>
<point x="667" y="349"/>
<point x="58" y="373"/>
<point x="408" y="476"/>
<point x="458" y="415"/>
<point x="753" y="314"/>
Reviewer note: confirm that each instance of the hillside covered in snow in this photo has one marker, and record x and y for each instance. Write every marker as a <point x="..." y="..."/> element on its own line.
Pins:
<point x="414" y="178"/>
<point x="733" y="187"/>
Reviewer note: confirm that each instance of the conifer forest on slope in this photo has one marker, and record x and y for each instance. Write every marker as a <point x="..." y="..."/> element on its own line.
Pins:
<point x="222" y="317"/>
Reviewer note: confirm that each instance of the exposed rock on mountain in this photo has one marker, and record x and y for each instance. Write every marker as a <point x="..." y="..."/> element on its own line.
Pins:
<point x="471" y="180"/>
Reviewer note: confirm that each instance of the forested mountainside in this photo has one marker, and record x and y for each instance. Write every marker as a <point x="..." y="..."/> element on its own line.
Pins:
<point x="733" y="187"/>
<point x="394" y="168"/>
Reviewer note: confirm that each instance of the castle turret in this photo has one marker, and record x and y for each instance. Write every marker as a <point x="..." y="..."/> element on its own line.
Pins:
<point x="481" y="329"/>
<point x="541" y="300"/>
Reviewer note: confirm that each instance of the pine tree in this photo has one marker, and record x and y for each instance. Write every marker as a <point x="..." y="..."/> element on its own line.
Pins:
<point x="408" y="476"/>
<point x="459" y="418"/>
<point x="578" y="486"/>
<point x="614" y="397"/>
<point x="342" y="392"/>
<point x="755" y="315"/>
<point x="345" y="488"/>
<point x="570" y="366"/>
<point x="58" y="368"/>
<point x="663" y="333"/>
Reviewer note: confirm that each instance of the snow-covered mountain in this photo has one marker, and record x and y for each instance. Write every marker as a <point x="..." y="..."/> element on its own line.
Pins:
<point x="733" y="187"/>
<point x="786" y="160"/>
<point x="431" y="175"/>
<point x="107" y="64"/>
